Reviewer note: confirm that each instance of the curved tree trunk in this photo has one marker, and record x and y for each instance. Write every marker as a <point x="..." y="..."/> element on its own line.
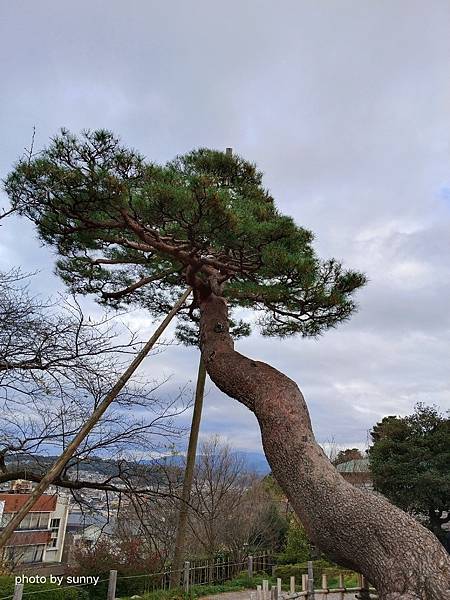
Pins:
<point x="358" y="529"/>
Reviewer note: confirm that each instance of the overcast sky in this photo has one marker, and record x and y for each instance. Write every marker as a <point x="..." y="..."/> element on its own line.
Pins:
<point x="343" y="105"/>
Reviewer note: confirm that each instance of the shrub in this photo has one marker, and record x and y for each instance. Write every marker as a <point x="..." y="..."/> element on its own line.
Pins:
<point x="320" y="566"/>
<point x="298" y="548"/>
<point x="131" y="561"/>
<point x="241" y="582"/>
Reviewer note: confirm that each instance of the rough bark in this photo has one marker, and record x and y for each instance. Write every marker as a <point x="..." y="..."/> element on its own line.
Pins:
<point x="358" y="529"/>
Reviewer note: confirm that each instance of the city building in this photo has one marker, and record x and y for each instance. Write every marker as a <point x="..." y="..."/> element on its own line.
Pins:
<point x="40" y="536"/>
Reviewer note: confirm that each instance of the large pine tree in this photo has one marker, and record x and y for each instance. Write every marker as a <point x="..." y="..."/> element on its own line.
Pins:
<point x="131" y="231"/>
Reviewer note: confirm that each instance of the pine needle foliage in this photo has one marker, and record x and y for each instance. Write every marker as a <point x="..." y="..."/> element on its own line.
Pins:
<point x="132" y="231"/>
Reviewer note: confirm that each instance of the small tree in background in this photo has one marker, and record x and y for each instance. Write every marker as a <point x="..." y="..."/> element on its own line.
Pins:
<point x="298" y="547"/>
<point x="410" y="463"/>
<point x="347" y="455"/>
<point x="131" y="231"/>
<point x="232" y="509"/>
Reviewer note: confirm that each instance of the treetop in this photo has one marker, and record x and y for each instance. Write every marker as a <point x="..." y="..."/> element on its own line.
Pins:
<point x="132" y="231"/>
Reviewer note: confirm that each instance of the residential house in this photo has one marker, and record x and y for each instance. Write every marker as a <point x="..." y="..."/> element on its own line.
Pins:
<point x="357" y="471"/>
<point x="40" y="536"/>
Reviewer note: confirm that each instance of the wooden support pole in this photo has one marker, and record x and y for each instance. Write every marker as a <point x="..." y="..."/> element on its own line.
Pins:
<point x="292" y="584"/>
<point x="324" y="583"/>
<point x="112" y="584"/>
<point x="259" y="595"/>
<point x="182" y="526"/>
<point x="58" y="466"/>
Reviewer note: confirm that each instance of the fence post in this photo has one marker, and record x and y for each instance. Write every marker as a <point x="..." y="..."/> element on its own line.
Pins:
<point x="324" y="582"/>
<point x="18" y="591"/>
<point x="265" y="589"/>
<point x="364" y="585"/>
<point x="304" y="582"/>
<point x="112" y="585"/>
<point x="341" y="586"/>
<point x="250" y="567"/>
<point x="292" y="586"/>
<point x="279" y="587"/>
<point x="311" y="595"/>
<point x="259" y="592"/>
<point x="210" y="567"/>
<point x="186" y="575"/>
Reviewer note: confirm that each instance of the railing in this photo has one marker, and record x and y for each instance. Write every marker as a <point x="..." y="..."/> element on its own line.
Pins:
<point x="203" y="572"/>
<point x="220" y="569"/>
<point x="195" y="572"/>
<point x="307" y="591"/>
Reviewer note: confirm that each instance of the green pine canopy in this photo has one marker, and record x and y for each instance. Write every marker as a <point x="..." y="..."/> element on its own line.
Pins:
<point x="131" y="231"/>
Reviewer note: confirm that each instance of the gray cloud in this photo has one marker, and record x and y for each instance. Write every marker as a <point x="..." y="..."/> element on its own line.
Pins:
<point x="345" y="108"/>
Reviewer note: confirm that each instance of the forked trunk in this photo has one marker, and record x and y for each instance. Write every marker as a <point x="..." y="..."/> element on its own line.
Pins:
<point x="357" y="529"/>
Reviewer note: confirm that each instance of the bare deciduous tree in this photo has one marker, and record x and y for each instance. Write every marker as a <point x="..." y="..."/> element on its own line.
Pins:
<point x="231" y="508"/>
<point x="55" y="368"/>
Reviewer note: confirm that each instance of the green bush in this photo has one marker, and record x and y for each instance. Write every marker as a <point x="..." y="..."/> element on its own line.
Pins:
<point x="242" y="582"/>
<point x="195" y="592"/>
<point x="298" y="548"/>
<point x="48" y="590"/>
<point x="321" y="566"/>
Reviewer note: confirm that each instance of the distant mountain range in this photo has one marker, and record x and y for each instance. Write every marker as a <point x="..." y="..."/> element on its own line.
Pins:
<point x="254" y="461"/>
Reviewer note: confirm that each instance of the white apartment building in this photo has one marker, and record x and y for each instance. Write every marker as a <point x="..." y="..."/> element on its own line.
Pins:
<point x="40" y="536"/>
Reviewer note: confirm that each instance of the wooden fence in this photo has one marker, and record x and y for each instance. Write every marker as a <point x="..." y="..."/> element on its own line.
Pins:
<point x="203" y="572"/>
<point x="223" y="568"/>
<point x="195" y="572"/>
<point x="306" y="590"/>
